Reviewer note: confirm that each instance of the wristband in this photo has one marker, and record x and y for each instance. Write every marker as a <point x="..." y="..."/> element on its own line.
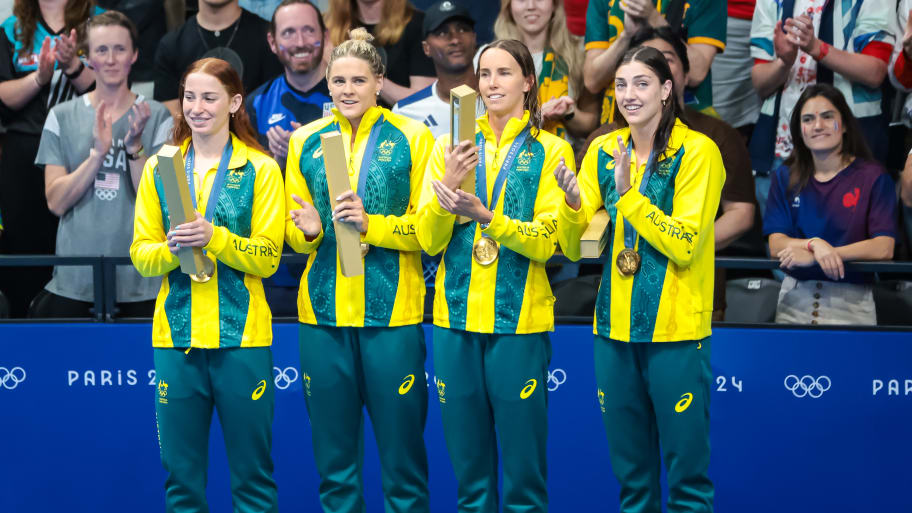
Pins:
<point x="75" y="74"/>
<point x="809" y="243"/>
<point x="140" y="153"/>
<point x="824" y="50"/>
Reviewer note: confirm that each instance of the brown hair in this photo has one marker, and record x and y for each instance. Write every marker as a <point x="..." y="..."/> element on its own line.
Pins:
<point x="238" y="123"/>
<point x="113" y="19"/>
<point x="394" y="17"/>
<point x="801" y="162"/>
<point x="28" y="13"/>
<point x="521" y="55"/>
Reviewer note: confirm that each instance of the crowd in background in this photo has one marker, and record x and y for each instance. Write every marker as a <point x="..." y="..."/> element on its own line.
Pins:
<point x="777" y="85"/>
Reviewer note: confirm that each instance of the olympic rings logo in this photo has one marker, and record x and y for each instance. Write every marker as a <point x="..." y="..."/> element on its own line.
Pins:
<point x="10" y="378"/>
<point x="556" y="378"/>
<point x="106" y="194"/>
<point x="285" y="377"/>
<point x="807" y="385"/>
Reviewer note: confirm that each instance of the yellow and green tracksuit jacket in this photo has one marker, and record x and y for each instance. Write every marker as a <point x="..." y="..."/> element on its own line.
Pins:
<point x="671" y="297"/>
<point x="230" y="309"/>
<point x="391" y="291"/>
<point x="511" y="295"/>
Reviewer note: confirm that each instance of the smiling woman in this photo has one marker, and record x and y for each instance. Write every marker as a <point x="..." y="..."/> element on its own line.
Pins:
<point x="661" y="183"/>
<point x="828" y="203"/>
<point x="212" y="337"/>
<point x="493" y="307"/>
<point x="361" y="341"/>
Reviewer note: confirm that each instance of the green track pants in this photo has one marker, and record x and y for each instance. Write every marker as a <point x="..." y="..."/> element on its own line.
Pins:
<point x="654" y="399"/>
<point x="487" y="381"/>
<point x="345" y="370"/>
<point x="238" y="383"/>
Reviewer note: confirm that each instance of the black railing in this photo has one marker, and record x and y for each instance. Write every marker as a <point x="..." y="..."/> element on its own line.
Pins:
<point x="104" y="276"/>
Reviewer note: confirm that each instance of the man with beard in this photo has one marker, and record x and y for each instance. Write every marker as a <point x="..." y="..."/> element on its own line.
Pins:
<point x="299" y="95"/>
<point x="449" y="40"/>
<point x="279" y="106"/>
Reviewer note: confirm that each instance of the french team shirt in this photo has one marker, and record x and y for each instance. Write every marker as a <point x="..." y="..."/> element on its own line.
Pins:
<point x="858" y="204"/>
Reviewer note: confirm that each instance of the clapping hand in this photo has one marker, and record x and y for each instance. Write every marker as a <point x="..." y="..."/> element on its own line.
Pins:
<point x="566" y="180"/>
<point x="621" y="167"/>
<point x="139" y="115"/>
<point x="306" y="218"/>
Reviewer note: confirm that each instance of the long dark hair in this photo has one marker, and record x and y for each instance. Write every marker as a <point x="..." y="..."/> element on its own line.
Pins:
<point x="655" y="61"/>
<point x="801" y="162"/>
<point x="521" y="55"/>
<point x="27" y="13"/>
<point x="238" y="124"/>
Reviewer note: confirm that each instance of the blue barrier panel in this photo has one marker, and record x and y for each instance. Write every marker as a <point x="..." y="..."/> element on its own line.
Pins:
<point x="803" y="421"/>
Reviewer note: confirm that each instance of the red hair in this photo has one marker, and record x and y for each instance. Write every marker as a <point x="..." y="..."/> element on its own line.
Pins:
<point x="238" y="124"/>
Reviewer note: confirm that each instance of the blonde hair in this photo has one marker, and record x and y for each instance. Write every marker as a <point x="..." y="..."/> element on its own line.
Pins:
<point x="394" y="17"/>
<point x="565" y="45"/>
<point x="358" y="45"/>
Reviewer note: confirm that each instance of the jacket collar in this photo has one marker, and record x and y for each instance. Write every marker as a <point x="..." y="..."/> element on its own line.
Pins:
<point x="370" y="116"/>
<point x="238" y="151"/>
<point x="513" y="128"/>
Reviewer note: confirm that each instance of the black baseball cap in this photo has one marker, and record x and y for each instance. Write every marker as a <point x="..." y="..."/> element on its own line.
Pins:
<point x="441" y="12"/>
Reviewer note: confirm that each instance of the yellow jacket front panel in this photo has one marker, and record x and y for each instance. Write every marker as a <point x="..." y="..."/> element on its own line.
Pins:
<point x="391" y="291"/>
<point x="671" y="297"/>
<point x="230" y="309"/>
<point x="511" y="295"/>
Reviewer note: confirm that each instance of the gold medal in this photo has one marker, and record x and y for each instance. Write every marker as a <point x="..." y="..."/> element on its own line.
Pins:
<point x="628" y="262"/>
<point x="485" y="251"/>
<point x="204" y="275"/>
<point x="365" y="247"/>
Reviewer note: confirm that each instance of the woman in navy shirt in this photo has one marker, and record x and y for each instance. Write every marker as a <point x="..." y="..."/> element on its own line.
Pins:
<point x="830" y="202"/>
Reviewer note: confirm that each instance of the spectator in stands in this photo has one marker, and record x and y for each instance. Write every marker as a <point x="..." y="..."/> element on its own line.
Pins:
<point x="736" y="209"/>
<point x="220" y="29"/>
<point x="294" y="98"/>
<point x="449" y="41"/>
<point x="542" y="26"/>
<point x="611" y="23"/>
<point x="149" y="17"/>
<point x="901" y="77"/>
<point x="397" y="27"/>
<point x="734" y="97"/>
<point x="829" y="203"/>
<point x="91" y="177"/>
<point x="300" y="94"/>
<point x="787" y="46"/>
<point x="39" y="68"/>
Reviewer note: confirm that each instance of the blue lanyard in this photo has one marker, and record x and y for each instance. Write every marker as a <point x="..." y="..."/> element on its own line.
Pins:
<point x="481" y="172"/>
<point x="217" y="185"/>
<point x="368" y="155"/>
<point x="630" y="233"/>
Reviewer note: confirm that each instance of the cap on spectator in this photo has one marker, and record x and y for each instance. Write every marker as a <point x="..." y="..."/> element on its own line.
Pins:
<point x="441" y="12"/>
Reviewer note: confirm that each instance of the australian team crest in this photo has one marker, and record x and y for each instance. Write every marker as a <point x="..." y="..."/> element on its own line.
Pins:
<point x="385" y="149"/>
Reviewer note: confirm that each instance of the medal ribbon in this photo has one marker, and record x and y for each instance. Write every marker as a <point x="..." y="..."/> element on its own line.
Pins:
<point x="630" y="233"/>
<point x="481" y="172"/>
<point x="220" y="175"/>
<point x="368" y="155"/>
